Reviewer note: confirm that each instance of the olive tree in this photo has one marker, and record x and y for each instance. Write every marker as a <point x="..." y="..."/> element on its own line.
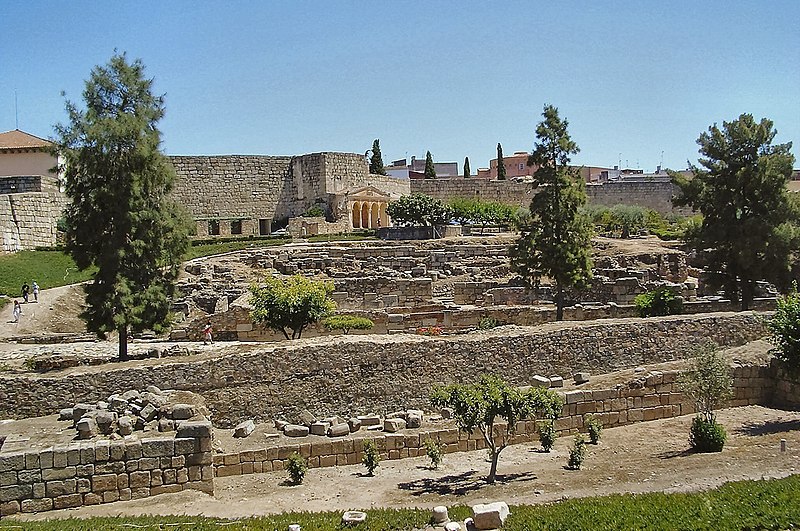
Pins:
<point x="477" y="406"/>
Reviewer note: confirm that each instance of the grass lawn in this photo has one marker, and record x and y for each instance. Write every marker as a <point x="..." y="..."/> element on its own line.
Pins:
<point x="51" y="269"/>
<point x="765" y="504"/>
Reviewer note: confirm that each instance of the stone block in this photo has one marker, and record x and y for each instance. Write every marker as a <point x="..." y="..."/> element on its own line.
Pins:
<point x="490" y="515"/>
<point x="158" y="447"/>
<point x="295" y="430"/>
<point x="104" y="482"/>
<point x="540" y="381"/>
<point x="413" y="420"/>
<point x="148" y="412"/>
<point x="15" y="492"/>
<point x="339" y="430"/>
<point x="9" y="508"/>
<point x="319" y="428"/>
<point x="354" y="424"/>
<point x="182" y="412"/>
<point x="139" y="479"/>
<point x="394" y="425"/>
<point x="556" y="381"/>
<point x="581" y="377"/>
<point x="87" y="428"/>
<point x="370" y="420"/>
<point x="244" y="429"/>
<point x="36" y="506"/>
<point x="194" y="429"/>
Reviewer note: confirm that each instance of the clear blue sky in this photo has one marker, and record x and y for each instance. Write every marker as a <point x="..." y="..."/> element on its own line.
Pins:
<point x="290" y="77"/>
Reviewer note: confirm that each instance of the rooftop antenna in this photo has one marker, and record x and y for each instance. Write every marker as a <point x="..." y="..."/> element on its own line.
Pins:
<point x="16" y="110"/>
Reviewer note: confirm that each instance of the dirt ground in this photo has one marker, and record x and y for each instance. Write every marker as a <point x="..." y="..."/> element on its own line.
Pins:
<point x="644" y="457"/>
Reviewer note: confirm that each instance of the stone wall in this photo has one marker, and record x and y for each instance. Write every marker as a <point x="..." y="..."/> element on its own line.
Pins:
<point x="654" y="195"/>
<point x="653" y="396"/>
<point x="93" y="472"/>
<point x="380" y="373"/>
<point x="380" y="292"/>
<point x="28" y="219"/>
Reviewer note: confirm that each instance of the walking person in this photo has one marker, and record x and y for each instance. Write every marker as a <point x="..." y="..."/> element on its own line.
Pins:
<point x="17" y="311"/>
<point x="25" y="290"/>
<point x="207" y="334"/>
<point x="35" y="289"/>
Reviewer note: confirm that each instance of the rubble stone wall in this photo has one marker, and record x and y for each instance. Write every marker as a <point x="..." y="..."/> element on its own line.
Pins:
<point x="103" y="471"/>
<point x="28" y="219"/>
<point x="349" y="375"/>
<point x="654" y="195"/>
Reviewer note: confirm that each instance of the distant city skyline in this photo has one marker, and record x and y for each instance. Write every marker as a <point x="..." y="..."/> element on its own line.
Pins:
<point x="637" y="81"/>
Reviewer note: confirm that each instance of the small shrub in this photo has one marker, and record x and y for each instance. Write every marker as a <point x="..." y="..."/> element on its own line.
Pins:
<point x="371" y="456"/>
<point x="487" y="323"/>
<point x="660" y="301"/>
<point x="577" y="453"/>
<point x="314" y="212"/>
<point x="595" y="427"/>
<point x="297" y="468"/>
<point x="430" y="331"/>
<point x="434" y="451"/>
<point x="4" y="366"/>
<point x="707" y="435"/>
<point x="547" y="435"/>
<point x="785" y="329"/>
<point x="345" y="323"/>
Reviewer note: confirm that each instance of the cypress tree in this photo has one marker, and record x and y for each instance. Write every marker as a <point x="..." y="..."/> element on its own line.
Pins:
<point x="119" y="218"/>
<point x="466" y="168"/>
<point x="501" y="165"/>
<point x="376" y="161"/>
<point x="430" y="169"/>
<point x="556" y="241"/>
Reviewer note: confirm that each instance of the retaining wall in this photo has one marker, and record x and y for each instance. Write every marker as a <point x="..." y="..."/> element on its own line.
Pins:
<point x="103" y="471"/>
<point x="346" y="375"/>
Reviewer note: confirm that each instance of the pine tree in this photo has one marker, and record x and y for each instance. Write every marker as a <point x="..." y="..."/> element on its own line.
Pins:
<point x="376" y="161"/>
<point x="748" y="231"/>
<point x="501" y="165"/>
<point x="466" y="168"/>
<point x="556" y="241"/>
<point x="430" y="169"/>
<point x="119" y="219"/>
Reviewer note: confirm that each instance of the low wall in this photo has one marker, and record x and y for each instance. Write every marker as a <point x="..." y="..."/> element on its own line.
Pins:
<point x="103" y="471"/>
<point x="654" y="396"/>
<point x="350" y="375"/>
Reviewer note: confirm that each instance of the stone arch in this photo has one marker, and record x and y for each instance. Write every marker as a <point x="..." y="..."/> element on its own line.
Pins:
<point x="383" y="215"/>
<point x="364" y="215"/>
<point x="356" y="215"/>
<point x="374" y="218"/>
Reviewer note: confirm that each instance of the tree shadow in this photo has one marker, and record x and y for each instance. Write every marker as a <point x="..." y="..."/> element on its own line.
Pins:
<point x="675" y="453"/>
<point x="459" y="484"/>
<point x="755" y="429"/>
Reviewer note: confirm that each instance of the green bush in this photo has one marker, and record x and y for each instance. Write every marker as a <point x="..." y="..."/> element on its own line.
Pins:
<point x="434" y="451"/>
<point x="594" y="427"/>
<point x="577" y="453"/>
<point x="547" y="435"/>
<point x="371" y="456"/>
<point x="785" y="329"/>
<point x="707" y="435"/>
<point x="345" y="323"/>
<point x="487" y="323"/>
<point x="660" y="301"/>
<point x="297" y="468"/>
<point x="314" y="212"/>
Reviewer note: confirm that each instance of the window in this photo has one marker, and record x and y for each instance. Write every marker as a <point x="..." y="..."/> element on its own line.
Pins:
<point x="264" y="227"/>
<point x="236" y="226"/>
<point x="213" y="227"/>
<point x="521" y="166"/>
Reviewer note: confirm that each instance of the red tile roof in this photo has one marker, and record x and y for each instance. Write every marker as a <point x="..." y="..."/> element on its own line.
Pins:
<point x="16" y="139"/>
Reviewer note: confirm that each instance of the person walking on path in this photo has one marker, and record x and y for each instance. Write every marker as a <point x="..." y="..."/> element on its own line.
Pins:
<point x="207" y="334"/>
<point x="17" y="311"/>
<point x="25" y="290"/>
<point x="35" y="289"/>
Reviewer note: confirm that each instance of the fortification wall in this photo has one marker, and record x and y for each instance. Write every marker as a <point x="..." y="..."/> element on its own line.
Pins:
<point x="381" y="373"/>
<point x="653" y="195"/>
<point x="28" y="220"/>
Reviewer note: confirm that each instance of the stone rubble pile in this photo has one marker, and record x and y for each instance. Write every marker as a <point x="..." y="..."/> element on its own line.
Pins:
<point x="122" y="414"/>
